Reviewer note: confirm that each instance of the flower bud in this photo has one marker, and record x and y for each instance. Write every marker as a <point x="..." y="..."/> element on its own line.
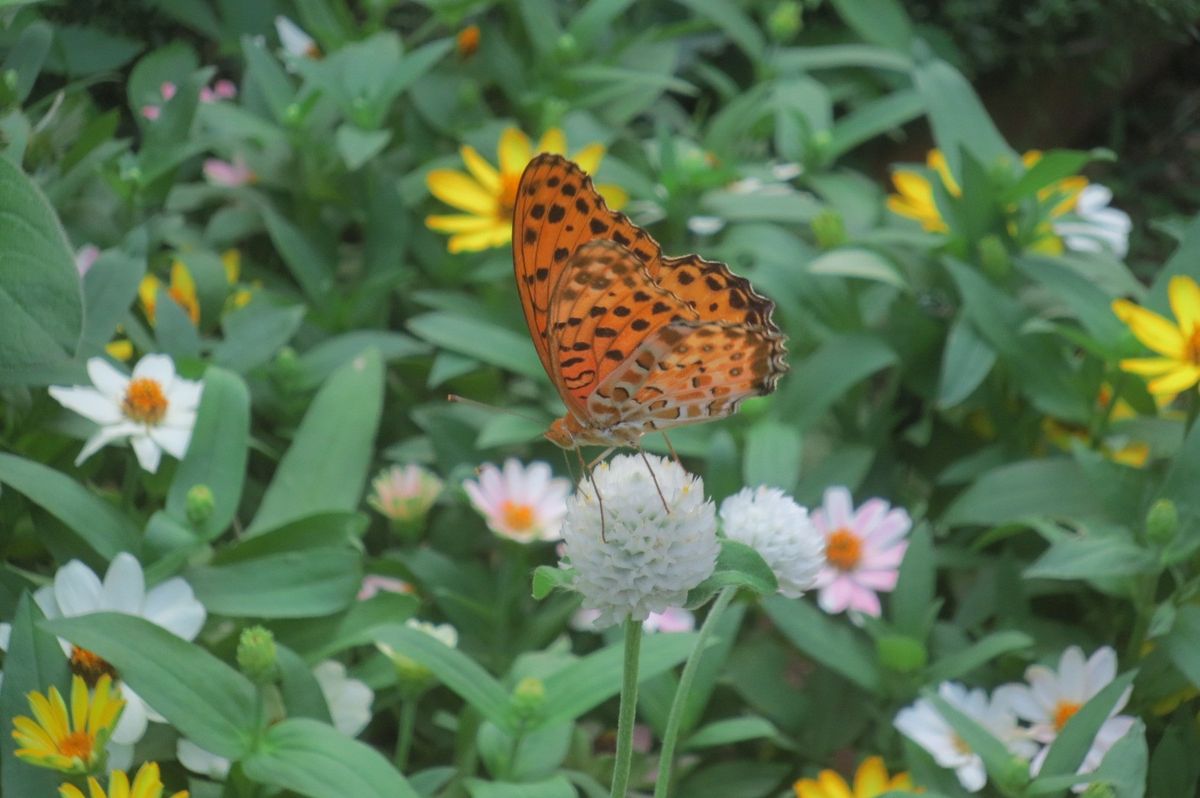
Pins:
<point x="785" y="21"/>
<point x="901" y="653"/>
<point x="1162" y="522"/>
<point x="413" y="677"/>
<point x="1013" y="777"/>
<point x="404" y="494"/>
<point x="1099" y="789"/>
<point x="994" y="259"/>
<point x="256" y="655"/>
<point x="528" y="697"/>
<point x="199" y="504"/>
<point x="829" y="229"/>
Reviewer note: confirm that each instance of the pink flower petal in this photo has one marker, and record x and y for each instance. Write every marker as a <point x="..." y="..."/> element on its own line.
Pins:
<point x="883" y="581"/>
<point x="838" y="506"/>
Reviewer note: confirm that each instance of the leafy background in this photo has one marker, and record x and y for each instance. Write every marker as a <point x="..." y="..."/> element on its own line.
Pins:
<point x="924" y="365"/>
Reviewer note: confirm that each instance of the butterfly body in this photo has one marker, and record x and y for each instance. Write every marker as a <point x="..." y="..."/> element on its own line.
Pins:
<point x="634" y="342"/>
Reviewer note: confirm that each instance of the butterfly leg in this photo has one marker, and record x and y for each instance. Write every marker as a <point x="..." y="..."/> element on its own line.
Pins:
<point x="587" y="469"/>
<point x="671" y="449"/>
<point x="657" y="487"/>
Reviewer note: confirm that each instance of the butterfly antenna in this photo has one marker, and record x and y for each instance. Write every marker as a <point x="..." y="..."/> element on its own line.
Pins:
<point x="462" y="400"/>
<point x="657" y="487"/>
<point x="587" y="469"/>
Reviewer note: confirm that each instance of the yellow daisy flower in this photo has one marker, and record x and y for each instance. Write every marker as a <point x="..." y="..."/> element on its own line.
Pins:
<point x="870" y="780"/>
<point x="487" y="196"/>
<point x="1178" y="342"/>
<point x="915" y="198"/>
<point x="146" y="784"/>
<point x="182" y="289"/>
<point x="72" y="744"/>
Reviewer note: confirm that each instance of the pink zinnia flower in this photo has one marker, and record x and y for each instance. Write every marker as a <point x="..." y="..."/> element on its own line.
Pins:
<point x="229" y="175"/>
<point x="672" y="619"/>
<point x="520" y="503"/>
<point x="374" y="584"/>
<point x="167" y="90"/>
<point x="85" y="257"/>
<point x="221" y="90"/>
<point x="863" y="551"/>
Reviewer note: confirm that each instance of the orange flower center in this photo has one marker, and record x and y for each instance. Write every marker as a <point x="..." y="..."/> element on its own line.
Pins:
<point x="76" y="744"/>
<point x="1192" y="346"/>
<point x="507" y="200"/>
<point x="518" y="517"/>
<point x="90" y="666"/>
<point x="468" y="41"/>
<point x="843" y="549"/>
<point x="1063" y="711"/>
<point x="144" y="401"/>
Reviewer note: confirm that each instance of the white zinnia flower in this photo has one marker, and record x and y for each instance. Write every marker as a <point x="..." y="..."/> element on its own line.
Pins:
<point x="924" y="725"/>
<point x="294" y="40"/>
<point x="520" y="503"/>
<point x="439" y="631"/>
<point x="154" y="409"/>
<point x="634" y="556"/>
<point x="77" y="590"/>
<point x="1094" y="226"/>
<point x="1052" y="698"/>
<point x="349" y="702"/>
<point x="777" y="528"/>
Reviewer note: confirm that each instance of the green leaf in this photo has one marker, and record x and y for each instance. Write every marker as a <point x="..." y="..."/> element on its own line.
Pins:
<point x="821" y="379"/>
<point x="323" y="530"/>
<point x="265" y="73"/>
<point x="34" y="661"/>
<point x="318" y="639"/>
<point x="958" y="118"/>
<point x="311" y="265"/>
<point x="97" y="523"/>
<point x="872" y="119"/>
<point x="357" y="146"/>
<point x="1072" y="743"/>
<point x="978" y="654"/>
<point x="26" y="56"/>
<point x="586" y="683"/>
<point x="314" y="759"/>
<point x="1050" y="168"/>
<point x="255" y="333"/>
<point x="1092" y="557"/>
<point x="860" y="263"/>
<point x="462" y="334"/>
<point x="786" y="208"/>
<point x="302" y="695"/>
<point x="548" y="578"/>
<point x="916" y="588"/>
<point x="733" y="730"/>
<point x="1179" y="486"/>
<point x="1053" y="488"/>
<point x="555" y="787"/>
<point x="206" y="700"/>
<point x="325" y="468"/>
<point x="738" y="565"/>
<point x="733" y="22"/>
<point x="41" y="301"/>
<point x="457" y="671"/>
<point x="839" y="648"/>
<point x="216" y="456"/>
<point x="293" y="584"/>
<point x="772" y="456"/>
<point x="109" y="288"/>
<point x="840" y="56"/>
<point x="326" y="357"/>
<point x="881" y="22"/>
<point x="1183" y="642"/>
<point x="966" y="362"/>
<point x="1086" y="301"/>
<point x="993" y="752"/>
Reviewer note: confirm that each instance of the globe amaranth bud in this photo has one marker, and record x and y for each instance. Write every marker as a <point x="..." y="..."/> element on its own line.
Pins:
<point x="257" y="656"/>
<point x="994" y="259"/>
<point x="528" y="697"/>
<point x="785" y="21"/>
<point x="901" y="653"/>
<point x="199" y="504"/>
<point x="1162" y="522"/>
<point x="829" y="229"/>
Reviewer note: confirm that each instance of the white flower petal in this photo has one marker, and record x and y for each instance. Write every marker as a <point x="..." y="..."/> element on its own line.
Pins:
<point x="147" y="451"/>
<point x="77" y="589"/>
<point x="173" y="606"/>
<point x="124" y="585"/>
<point x="132" y="725"/>
<point x="172" y="440"/>
<point x="159" y="368"/>
<point x="89" y="403"/>
<point x="107" y="379"/>
<point x="197" y="760"/>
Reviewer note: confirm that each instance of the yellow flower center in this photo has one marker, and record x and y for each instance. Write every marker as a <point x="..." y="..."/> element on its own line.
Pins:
<point x="1063" y="711"/>
<point x="90" y="666"/>
<point x="506" y="200"/>
<point x="144" y="401"/>
<point x="76" y="744"/>
<point x="960" y="745"/>
<point x="518" y="517"/>
<point x="843" y="549"/>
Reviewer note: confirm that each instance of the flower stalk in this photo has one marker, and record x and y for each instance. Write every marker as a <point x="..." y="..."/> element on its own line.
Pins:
<point x="628" y="711"/>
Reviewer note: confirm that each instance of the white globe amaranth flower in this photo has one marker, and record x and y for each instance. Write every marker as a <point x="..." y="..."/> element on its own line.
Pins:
<point x="635" y="557"/>
<point x="770" y="521"/>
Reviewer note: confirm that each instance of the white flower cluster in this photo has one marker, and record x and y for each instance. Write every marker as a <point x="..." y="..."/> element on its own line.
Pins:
<point x="772" y="523"/>
<point x="635" y="551"/>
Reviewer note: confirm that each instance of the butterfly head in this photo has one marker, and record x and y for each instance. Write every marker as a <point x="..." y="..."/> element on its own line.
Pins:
<point x="560" y="433"/>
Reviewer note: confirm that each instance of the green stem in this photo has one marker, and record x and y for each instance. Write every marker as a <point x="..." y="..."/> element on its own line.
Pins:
<point x="133" y="472"/>
<point x="666" y="761"/>
<point x="1193" y="409"/>
<point x="628" y="712"/>
<point x="404" y="737"/>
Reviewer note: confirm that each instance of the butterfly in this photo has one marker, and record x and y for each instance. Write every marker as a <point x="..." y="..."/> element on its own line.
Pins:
<point x="633" y="341"/>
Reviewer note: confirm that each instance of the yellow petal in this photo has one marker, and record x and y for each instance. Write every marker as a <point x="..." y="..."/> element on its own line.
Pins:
<point x="913" y="186"/>
<point x="182" y="283"/>
<point x="554" y="141"/>
<point x="937" y="162"/>
<point x="833" y="784"/>
<point x="148" y="782"/>
<point x="1132" y="454"/>
<point x="1148" y="366"/>
<point x="459" y="224"/>
<point x="80" y="700"/>
<point x="455" y="188"/>
<point x="1176" y="381"/>
<point x="901" y="781"/>
<point x="871" y="778"/>
<point x="808" y="788"/>
<point x="1185" y="302"/>
<point x="1046" y="243"/>
<point x="589" y="157"/>
<point x="480" y="169"/>
<point x="515" y="151"/>
<point x="69" y="791"/>
<point x="51" y="713"/>
<point x="148" y="293"/>
<point x="31" y="735"/>
<point x="231" y="259"/>
<point x="94" y="788"/>
<point x="1031" y="157"/>
<point x="496" y="236"/>
<point x="614" y="196"/>
<point x="1151" y="329"/>
<point x="118" y="784"/>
